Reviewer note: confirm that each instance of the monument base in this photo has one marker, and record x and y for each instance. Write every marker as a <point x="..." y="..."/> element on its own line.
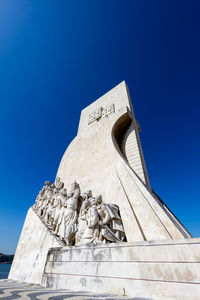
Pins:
<point x="153" y="270"/>
<point x="31" y="254"/>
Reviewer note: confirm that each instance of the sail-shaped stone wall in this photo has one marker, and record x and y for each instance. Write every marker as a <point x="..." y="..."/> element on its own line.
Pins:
<point x="96" y="161"/>
<point x="156" y="259"/>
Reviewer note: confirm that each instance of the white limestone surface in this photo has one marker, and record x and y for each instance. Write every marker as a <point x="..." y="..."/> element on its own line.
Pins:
<point x="104" y="158"/>
<point x="156" y="270"/>
<point x="95" y="161"/>
<point x="30" y="257"/>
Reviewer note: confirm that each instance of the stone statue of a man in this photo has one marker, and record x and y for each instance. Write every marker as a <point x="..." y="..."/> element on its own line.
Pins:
<point x="70" y="215"/>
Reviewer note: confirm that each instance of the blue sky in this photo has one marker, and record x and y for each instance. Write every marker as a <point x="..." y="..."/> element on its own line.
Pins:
<point x="59" y="56"/>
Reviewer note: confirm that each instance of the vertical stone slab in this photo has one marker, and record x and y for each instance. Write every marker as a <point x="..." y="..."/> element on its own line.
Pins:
<point x="30" y="257"/>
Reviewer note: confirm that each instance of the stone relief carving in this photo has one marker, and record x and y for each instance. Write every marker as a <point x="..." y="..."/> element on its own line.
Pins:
<point x="100" y="113"/>
<point x="78" y="219"/>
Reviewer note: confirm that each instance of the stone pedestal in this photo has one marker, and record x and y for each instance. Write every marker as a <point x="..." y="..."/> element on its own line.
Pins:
<point x="147" y="270"/>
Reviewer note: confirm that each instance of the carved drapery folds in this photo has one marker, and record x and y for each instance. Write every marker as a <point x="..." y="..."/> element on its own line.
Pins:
<point x="78" y="219"/>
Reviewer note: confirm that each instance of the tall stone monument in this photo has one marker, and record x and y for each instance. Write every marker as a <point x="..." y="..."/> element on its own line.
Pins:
<point x="100" y="226"/>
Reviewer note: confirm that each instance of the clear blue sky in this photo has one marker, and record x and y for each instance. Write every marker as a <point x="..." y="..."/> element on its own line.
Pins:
<point x="59" y="56"/>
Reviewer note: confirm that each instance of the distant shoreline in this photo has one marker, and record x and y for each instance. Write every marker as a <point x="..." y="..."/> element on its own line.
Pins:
<point x="6" y="259"/>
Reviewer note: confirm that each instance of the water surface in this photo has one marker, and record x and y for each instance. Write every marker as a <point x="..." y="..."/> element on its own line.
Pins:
<point x="4" y="270"/>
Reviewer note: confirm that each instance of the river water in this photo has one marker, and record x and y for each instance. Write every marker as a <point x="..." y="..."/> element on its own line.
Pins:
<point x="4" y="270"/>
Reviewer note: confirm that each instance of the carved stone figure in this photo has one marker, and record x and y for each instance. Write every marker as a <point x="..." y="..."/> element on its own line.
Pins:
<point x="60" y="215"/>
<point x="91" y="234"/>
<point x="58" y="211"/>
<point x="40" y="196"/>
<point x="78" y="220"/>
<point x="48" y="208"/>
<point x="48" y="182"/>
<point x="67" y="222"/>
<point x="44" y="202"/>
<point x="71" y="216"/>
<point x="82" y="222"/>
<point x="88" y="194"/>
<point x="59" y="185"/>
<point x="112" y="228"/>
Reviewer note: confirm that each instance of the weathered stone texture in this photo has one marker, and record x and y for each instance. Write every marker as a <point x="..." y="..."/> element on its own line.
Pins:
<point x="30" y="256"/>
<point x="157" y="270"/>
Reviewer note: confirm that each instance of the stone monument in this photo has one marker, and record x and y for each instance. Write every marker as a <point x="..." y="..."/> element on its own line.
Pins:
<point x="100" y="226"/>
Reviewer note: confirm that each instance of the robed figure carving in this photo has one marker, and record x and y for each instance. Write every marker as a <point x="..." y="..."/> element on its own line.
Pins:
<point x="78" y="220"/>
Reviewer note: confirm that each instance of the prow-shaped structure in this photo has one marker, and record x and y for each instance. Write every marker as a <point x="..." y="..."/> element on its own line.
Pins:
<point x="120" y="237"/>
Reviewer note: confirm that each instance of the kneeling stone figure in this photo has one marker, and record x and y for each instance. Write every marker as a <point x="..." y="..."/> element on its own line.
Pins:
<point x="78" y="220"/>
